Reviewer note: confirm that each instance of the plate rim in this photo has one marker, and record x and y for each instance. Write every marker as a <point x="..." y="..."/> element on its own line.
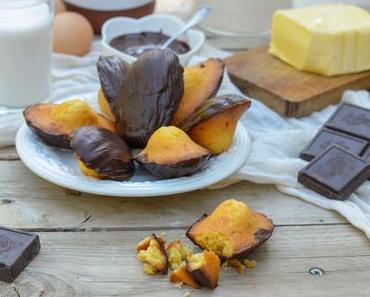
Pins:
<point x="132" y="190"/>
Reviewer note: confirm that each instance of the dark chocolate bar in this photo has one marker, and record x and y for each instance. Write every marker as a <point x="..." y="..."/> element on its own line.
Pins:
<point x="351" y="119"/>
<point x="335" y="174"/>
<point x="366" y="154"/>
<point x="17" y="250"/>
<point x="327" y="137"/>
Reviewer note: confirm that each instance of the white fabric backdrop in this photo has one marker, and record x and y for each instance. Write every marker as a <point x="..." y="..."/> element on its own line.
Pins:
<point x="276" y="141"/>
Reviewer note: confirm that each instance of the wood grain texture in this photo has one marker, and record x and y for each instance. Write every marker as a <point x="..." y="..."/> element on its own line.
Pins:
<point x="27" y="201"/>
<point x="104" y="264"/>
<point x="290" y="92"/>
<point x="8" y="153"/>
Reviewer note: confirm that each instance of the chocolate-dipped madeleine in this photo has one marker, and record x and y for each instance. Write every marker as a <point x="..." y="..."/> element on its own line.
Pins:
<point x="171" y="153"/>
<point x="213" y="124"/>
<point x="102" y="154"/>
<point x="54" y="123"/>
<point x="149" y="96"/>
<point x="201" y="82"/>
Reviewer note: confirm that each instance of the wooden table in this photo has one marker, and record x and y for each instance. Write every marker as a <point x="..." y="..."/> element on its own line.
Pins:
<point x="88" y="242"/>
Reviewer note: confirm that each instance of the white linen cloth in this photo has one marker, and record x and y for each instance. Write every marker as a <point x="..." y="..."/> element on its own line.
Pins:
<point x="277" y="141"/>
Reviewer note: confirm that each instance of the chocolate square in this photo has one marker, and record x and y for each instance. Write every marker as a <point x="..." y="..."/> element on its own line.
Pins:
<point x="366" y="154"/>
<point x="351" y="119"/>
<point x="327" y="137"/>
<point x="17" y="250"/>
<point x="335" y="174"/>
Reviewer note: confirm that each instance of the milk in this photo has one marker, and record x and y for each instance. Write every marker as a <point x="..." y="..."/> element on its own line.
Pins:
<point x="25" y="52"/>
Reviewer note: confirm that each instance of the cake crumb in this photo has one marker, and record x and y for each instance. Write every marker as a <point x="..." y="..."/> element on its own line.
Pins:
<point x="251" y="264"/>
<point x="187" y="294"/>
<point x="237" y="265"/>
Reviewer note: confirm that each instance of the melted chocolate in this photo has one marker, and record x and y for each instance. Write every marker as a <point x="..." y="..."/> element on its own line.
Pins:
<point x="136" y="43"/>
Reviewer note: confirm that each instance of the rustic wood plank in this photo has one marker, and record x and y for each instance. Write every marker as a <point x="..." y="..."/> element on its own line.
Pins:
<point x="8" y="153"/>
<point x="26" y="201"/>
<point x="104" y="264"/>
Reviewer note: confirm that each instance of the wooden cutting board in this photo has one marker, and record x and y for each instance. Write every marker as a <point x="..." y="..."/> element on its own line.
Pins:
<point x="288" y="91"/>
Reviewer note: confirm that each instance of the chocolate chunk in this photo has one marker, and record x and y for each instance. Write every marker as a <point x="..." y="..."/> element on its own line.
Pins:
<point x="17" y="250"/>
<point x="327" y="137"/>
<point x="351" y="119"/>
<point x="335" y="174"/>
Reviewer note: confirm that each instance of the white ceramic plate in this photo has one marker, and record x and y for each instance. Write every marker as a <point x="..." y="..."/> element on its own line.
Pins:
<point x="59" y="166"/>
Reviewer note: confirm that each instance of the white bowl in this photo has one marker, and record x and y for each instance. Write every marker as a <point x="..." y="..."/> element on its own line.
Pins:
<point x="168" y="24"/>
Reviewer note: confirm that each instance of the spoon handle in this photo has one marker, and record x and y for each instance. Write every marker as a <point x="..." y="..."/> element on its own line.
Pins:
<point x="194" y="20"/>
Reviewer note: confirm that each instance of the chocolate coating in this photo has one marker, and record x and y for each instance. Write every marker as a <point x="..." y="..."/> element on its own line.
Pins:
<point x="112" y="74"/>
<point x="163" y="251"/>
<point x="212" y="107"/>
<point x="135" y="44"/>
<point x="202" y="279"/>
<point x="17" y="250"/>
<point x="150" y="95"/>
<point x="335" y="174"/>
<point x="166" y="171"/>
<point x="104" y="152"/>
<point x="57" y="140"/>
<point x="36" y="117"/>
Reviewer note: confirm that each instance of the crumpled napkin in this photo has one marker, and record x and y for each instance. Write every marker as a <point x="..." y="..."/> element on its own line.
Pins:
<point x="277" y="141"/>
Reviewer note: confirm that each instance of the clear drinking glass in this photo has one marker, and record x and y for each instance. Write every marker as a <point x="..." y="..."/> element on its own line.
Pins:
<point x="238" y="24"/>
<point x="25" y="51"/>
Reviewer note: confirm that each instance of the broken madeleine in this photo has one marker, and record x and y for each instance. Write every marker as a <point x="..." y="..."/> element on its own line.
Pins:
<point x="205" y="268"/>
<point x="171" y="153"/>
<point x="102" y="154"/>
<point x="213" y="124"/>
<point x="152" y="253"/>
<point x="201" y="82"/>
<point x="54" y="123"/>
<point x="181" y="275"/>
<point x="232" y="230"/>
<point x="177" y="252"/>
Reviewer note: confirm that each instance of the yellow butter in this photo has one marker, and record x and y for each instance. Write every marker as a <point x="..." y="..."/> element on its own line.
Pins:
<point x="327" y="39"/>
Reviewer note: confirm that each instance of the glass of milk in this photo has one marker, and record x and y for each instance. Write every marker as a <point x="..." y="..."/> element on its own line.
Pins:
<point x="25" y="51"/>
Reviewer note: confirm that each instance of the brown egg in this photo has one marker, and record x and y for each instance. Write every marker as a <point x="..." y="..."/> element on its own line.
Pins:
<point x="73" y="34"/>
<point x="59" y="7"/>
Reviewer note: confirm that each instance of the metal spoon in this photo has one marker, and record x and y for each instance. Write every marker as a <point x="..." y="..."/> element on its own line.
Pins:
<point x="194" y="20"/>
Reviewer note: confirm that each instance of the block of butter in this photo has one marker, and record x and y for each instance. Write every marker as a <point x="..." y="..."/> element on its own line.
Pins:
<point x="328" y="39"/>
